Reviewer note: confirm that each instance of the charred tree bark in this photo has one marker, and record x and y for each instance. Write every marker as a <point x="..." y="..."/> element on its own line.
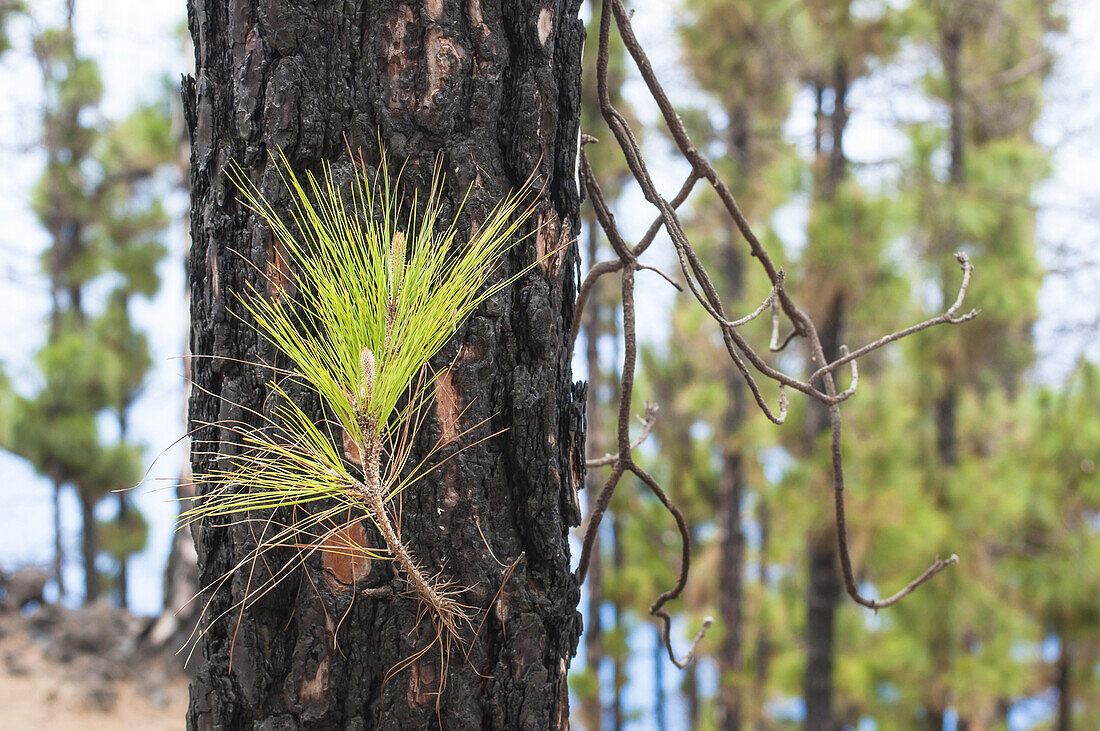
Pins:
<point x="493" y="89"/>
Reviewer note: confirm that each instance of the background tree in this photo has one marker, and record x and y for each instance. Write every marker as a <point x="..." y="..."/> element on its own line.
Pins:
<point x="742" y="55"/>
<point x="494" y="94"/>
<point x="993" y="60"/>
<point x="93" y="201"/>
<point x="846" y="224"/>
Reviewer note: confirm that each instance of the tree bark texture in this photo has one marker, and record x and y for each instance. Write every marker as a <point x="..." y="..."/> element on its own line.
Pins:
<point x="492" y="89"/>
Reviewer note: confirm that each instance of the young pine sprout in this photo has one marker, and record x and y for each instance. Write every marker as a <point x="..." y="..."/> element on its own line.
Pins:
<point x="378" y="294"/>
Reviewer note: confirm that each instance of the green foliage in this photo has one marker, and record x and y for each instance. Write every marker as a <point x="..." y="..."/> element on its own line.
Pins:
<point x="379" y="293"/>
<point x="395" y="288"/>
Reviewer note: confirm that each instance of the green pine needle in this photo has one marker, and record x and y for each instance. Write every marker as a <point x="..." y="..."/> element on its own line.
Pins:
<point x="378" y="295"/>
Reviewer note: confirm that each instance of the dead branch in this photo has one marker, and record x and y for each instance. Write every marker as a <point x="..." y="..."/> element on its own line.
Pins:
<point x="703" y="290"/>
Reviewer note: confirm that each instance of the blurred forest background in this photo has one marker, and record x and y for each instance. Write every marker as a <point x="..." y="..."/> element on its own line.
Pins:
<point x="866" y="141"/>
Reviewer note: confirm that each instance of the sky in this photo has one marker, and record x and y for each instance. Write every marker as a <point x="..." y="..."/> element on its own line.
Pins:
<point x="138" y="47"/>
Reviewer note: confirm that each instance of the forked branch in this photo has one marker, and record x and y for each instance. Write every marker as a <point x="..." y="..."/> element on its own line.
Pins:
<point x="820" y="386"/>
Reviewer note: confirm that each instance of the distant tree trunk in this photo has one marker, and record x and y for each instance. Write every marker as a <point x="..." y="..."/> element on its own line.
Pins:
<point x="731" y="481"/>
<point x="618" y="717"/>
<point x="58" y="542"/>
<point x="122" y="583"/>
<point x="1064" y="718"/>
<point x="89" y="549"/>
<point x="592" y="705"/>
<point x="492" y="88"/>
<point x="763" y="641"/>
<point x="824" y="587"/>
<point x="122" y="519"/>
<point x="946" y="410"/>
<point x="691" y="692"/>
<point x="659" y="703"/>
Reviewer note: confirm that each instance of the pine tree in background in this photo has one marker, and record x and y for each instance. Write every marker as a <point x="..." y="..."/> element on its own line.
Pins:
<point x="131" y="224"/>
<point x="846" y="283"/>
<point x="103" y="219"/>
<point x="992" y="59"/>
<point x="1053" y="556"/>
<point x="741" y="55"/>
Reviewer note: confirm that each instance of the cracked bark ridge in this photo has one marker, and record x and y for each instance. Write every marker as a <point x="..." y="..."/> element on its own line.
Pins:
<point x="493" y="87"/>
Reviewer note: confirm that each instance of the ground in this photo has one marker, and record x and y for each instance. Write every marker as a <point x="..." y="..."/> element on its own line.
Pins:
<point x="53" y="680"/>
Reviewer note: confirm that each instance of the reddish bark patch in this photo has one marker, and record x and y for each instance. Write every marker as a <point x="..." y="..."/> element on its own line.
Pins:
<point x="443" y="59"/>
<point x="547" y="243"/>
<point x="447" y="408"/>
<point x="278" y="269"/>
<point x="343" y="559"/>
<point x="312" y="689"/>
<point x="215" y="276"/>
<point x="423" y="684"/>
<point x="396" y="53"/>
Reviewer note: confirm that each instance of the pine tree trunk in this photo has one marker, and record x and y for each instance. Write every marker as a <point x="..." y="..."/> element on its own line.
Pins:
<point x="1064" y="718"/>
<point x="731" y="481"/>
<point x="659" y="703"/>
<point x="492" y="88"/>
<point x="122" y="585"/>
<point x="824" y="586"/>
<point x="592" y="705"/>
<point x="618" y="676"/>
<point x="58" y="543"/>
<point x="763" y="640"/>
<point x="89" y="548"/>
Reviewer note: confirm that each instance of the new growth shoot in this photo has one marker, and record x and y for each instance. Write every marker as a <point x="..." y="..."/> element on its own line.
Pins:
<point x="377" y="294"/>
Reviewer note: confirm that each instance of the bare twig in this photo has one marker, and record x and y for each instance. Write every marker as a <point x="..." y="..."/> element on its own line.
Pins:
<point x="648" y="422"/>
<point x="703" y="290"/>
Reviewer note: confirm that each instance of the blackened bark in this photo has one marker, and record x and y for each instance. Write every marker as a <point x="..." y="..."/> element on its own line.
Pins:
<point x="493" y="88"/>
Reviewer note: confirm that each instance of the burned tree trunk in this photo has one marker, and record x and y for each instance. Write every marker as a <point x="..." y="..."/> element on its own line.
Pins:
<point x="492" y="89"/>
